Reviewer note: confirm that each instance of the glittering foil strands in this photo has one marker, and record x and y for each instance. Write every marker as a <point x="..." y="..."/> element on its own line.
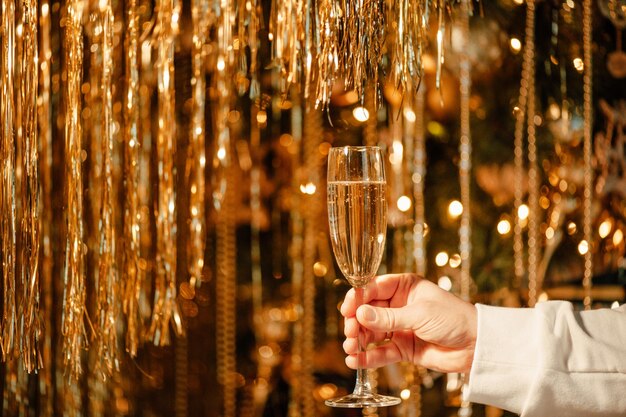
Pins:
<point x="221" y="159"/>
<point x="196" y="161"/>
<point x="107" y="280"/>
<point x="44" y="119"/>
<point x="72" y="321"/>
<point x="31" y="329"/>
<point x="587" y="150"/>
<point x="362" y="46"/>
<point x="287" y="28"/>
<point x="411" y="17"/>
<point x="7" y="181"/>
<point x="165" y="304"/>
<point x="328" y="14"/>
<point x="133" y="273"/>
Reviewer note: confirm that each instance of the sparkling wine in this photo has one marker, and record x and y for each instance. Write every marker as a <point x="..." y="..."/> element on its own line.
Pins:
<point x="357" y="214"/>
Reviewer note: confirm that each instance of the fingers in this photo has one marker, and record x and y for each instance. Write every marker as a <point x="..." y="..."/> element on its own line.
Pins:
<point x="393" y="288"/>
<point x="379" y="356"/>
<point x="380" y="319"/>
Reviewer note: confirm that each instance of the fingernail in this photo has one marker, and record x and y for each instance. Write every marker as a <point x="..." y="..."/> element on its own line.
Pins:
<point x="368" y="313"/>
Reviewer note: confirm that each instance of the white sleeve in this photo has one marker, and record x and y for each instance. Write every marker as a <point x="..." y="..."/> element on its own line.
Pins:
<point x="550" y="360"/>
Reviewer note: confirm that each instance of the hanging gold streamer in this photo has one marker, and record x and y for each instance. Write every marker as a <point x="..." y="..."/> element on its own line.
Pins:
<point x="72" y="322"/>
<point x="534" y="287"/>
<point x="465" y="151"/>
<point x="312" y="210"/>
<point x="362" y="47"/>
<point x="107" y="281"/>
<point x="165" y="305"/>
<point x="296" y="254"/>
<point x="287" y="32"/>
<point x="410" y="19"/>
<point x="44" y="119"/>
<point x="418" y="178"/>
<point x="587" y="150"/>
<point x="223" y="88"/>
<point x="133" y="273"/>
<point x="200" y="13"/>
<point x="226" y="298"/>
<point x="329" y="26"/>
<point x="7" y="182"/>
<point x="31" y="330"/>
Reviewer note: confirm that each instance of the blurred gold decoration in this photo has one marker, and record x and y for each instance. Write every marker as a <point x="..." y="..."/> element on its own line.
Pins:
<point x="609" y="147"/>
<point x="465" y="170"/>
<point x="7" y="183"/>
<point x="587" y="150"/>
<point x="527" y="90"/>
<point x="418" y="179"/>
<point x="165" y="308"/>
<point x="296" y="252"/>
<point x="313" y="204"/>
<point x="226" y="288"/>
<point x="181" y="382"/>
<point x="107" y="286"/>
<point x="133" y="143"/>
<point x="74" y="291"/>
<point x="44" y="119"/>
<point x="465" y="151"/>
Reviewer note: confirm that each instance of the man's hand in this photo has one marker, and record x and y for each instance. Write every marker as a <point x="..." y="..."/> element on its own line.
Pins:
<point x="412" y="320"/>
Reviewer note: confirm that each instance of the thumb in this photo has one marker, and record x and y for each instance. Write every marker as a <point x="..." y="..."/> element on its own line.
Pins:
<point x="383" y="319"/>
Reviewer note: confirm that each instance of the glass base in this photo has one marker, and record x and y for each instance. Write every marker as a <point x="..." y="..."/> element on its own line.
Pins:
<point x="363" y="400"/>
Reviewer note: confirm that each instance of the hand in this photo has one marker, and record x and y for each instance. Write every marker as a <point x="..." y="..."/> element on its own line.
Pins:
<point x="412" y="320"/>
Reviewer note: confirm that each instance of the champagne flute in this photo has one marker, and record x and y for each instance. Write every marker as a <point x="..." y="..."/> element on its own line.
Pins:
<point x="357" y="215"/>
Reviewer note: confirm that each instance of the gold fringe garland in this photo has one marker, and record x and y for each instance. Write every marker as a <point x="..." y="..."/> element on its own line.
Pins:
<point x="165" y="305"/>
<point x="7" y="184"/>
<point x="133" y="272"/>
<point x="328" y="20"/>
<point x="44" y="119"/>
<point x="362" y="46"/>
<point x="201" y="17"/>
<point x="287" y="28"/>
<point x="72" y="325"/>
<point x="107" y="280"/>
<point x="409" y="31"/>
<point x="587" y="150"/>
<point x="224" y="65"/>
<point x="31" y="330"/>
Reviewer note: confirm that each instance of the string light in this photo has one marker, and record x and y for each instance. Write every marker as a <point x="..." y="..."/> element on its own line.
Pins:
<point x="587" y="149"/>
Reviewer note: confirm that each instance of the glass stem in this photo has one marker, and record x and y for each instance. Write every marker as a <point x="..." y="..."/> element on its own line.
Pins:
<point x="362" y="386"/>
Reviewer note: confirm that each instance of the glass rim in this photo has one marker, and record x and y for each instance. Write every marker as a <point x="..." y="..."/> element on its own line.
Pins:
<point x="355" y="148"/>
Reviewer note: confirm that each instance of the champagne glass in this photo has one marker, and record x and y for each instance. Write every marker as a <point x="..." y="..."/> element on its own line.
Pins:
<point x="357" y="215"/>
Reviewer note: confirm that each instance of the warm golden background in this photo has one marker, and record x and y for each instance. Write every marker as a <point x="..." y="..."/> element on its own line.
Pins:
<point x="163" y="229"/>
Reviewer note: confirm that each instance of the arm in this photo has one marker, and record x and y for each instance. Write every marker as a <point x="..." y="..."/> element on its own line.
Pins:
<point x="551" y="361"/>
